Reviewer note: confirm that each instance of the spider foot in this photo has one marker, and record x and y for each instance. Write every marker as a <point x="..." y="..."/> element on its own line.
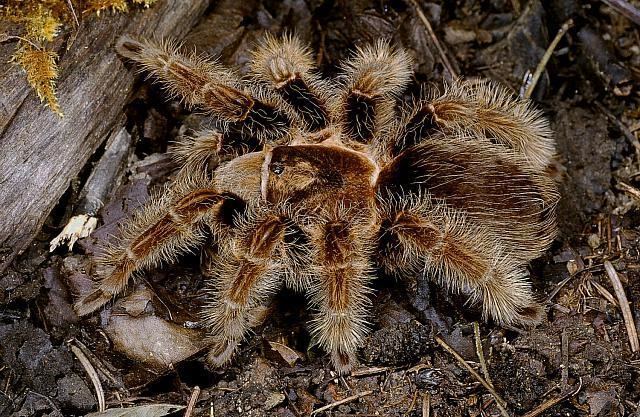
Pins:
<point x="91" y="302"/>
<point x="530" y="315"/>
<point x="221" y="352"/>
<point x="343" y="362"/>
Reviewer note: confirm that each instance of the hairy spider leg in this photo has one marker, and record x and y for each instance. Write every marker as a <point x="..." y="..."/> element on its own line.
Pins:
<point x="426" y="239"/>
<point x="481" y="110"/>
<point x="286" y="66"/>
<point x="248" y="269"/>
<point x="165" y="228"/>
<point x="373" y="78"/>
<point x="210" y="86"/>
<point x="206" y="150"/>
<point x="339" y="291"/>
<point x="493" y="186"/>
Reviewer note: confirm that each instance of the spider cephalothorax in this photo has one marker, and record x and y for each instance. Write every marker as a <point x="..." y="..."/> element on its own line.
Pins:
<point x="313" y="184"/>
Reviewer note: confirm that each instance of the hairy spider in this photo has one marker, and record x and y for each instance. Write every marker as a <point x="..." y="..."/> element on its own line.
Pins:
<point x="313" y="184"/>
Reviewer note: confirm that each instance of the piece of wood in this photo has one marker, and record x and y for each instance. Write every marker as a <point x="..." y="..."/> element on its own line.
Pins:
<point x="629" y="323"/>
<point x="41" y="153"/>
<point x="625" y="8"/>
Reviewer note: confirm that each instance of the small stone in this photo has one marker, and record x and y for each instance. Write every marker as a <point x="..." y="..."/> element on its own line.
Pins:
<point x="593" y="240"/>
<point x="572" y="267"/>
<point x="456" y="36"/>
<point x="274" y="399"/>
<point x="74" y="393"/>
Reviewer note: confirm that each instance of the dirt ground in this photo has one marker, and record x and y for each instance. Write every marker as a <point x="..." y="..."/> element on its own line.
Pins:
<point x="578" y="362"/>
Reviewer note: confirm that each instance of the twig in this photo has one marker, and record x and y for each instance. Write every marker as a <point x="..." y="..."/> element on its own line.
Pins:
<point x="557" y="289"/>
<point x="581" y="268"/>
<point x="5" y="391"/>
<point x="609" y="235"/>
<point x="73" y="12"/>
<point x="545" y="58"/>
<point x="624" y="8"/>
<point x="630" y="404"/>
<point x="624" y="306"/>
<point x="605" y="293"/>
<point x="412" y="405"/>
<point x="516" y="6"/>
<point x="426" y="405"/>
<point x="419" y="367"/>
<point x="5" y="37"/>
<point x="623" y="128"/>
<point x="564" y="350"/>
<point x="370" y="371"/>
<point x="480" y="353"/>
<point x="499" y="401"/>
<point x="71" y="40"/>
<point x="635" y="193"/>
<point x="443" y="56"/>
<point x="93" y="375"/>
<point x="192" y="401"/>
<point x="344" y="381"/>
<point x="343" y="401"/>
<point x="550" y="403"/>
<point x="321" y="46"/>
<point x="560" y="308"/>
<point x="292" y="404"/>
<point x="100" y="367"/>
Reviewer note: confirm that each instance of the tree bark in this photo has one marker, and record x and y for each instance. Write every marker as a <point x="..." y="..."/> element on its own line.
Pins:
<point x="40" y="153"/>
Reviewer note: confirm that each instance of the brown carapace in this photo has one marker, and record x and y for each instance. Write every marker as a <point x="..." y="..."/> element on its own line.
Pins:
<point x="315" y="184"/>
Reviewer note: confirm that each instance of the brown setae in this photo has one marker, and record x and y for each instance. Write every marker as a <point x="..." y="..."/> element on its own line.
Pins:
<point x="314" y="184"/>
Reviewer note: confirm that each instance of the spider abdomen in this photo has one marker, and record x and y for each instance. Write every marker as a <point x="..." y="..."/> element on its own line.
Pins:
<point x="488" y="183"/>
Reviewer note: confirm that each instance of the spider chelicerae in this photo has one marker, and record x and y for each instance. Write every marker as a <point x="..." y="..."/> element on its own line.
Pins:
<point x="315" y="184"/>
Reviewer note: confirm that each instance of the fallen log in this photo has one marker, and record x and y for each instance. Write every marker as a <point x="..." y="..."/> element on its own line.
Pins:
<point x="40" y="153"/>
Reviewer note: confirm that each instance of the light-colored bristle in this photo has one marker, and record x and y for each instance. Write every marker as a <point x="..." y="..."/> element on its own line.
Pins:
<point x="196" y="80"/>
<point x="286" y="65"/>
<point x="160" y="232"/>
<point x="440" y="243"/>
<point x="243" y="276"/>
<point x="492" y="185"/>
<point x="491" y="113"/>
<point x="199" y="152"/>
<point x="515" y="122"/>
<point x="184" y="75"/>
<point x="372" y="80"/>
<point x="343" y="272"/>
<point x="455" y="189"/>
<point x="278" y="59"/>
<point x="377" y="69"/>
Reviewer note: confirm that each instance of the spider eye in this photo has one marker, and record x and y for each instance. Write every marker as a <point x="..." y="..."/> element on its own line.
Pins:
<point x="276" y="168"/>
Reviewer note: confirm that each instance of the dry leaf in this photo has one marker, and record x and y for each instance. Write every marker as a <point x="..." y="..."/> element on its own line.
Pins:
<point x="149" y="410"/>
<point x="289" y="355"/>
<point x="152" y="340"/>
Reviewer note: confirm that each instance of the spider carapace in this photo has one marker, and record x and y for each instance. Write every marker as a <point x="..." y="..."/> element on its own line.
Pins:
<point x="315" y="184"/>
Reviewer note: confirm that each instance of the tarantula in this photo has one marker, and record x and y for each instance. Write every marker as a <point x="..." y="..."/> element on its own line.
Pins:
<point x="314" y="184"/>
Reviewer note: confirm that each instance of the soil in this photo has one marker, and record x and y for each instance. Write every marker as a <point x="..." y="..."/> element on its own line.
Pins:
<point x="578" y="362"/>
